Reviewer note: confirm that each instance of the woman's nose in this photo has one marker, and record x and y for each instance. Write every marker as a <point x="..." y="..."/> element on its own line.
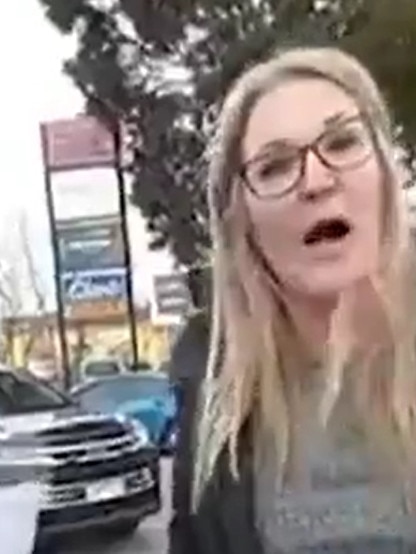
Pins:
<point x="317" y="178"/>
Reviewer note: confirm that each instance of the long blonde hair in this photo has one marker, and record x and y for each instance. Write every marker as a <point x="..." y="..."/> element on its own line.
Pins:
<point x="252" y="367"/>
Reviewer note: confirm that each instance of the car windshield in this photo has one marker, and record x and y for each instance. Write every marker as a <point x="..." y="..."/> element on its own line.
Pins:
<point x="109" y="394"/>
<point x="102" y="368"/>
<point x="20" y="395"/>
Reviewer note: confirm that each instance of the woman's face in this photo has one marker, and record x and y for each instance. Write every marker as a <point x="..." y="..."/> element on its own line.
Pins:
<point x="315" y="211"/>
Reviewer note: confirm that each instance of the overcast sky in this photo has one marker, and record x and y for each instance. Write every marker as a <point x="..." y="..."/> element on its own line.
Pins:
<point x="34" y="90"/>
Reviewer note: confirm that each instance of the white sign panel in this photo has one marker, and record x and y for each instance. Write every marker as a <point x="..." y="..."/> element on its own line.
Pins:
<point x="171" y="299"/>
<point x="86" y="193"/>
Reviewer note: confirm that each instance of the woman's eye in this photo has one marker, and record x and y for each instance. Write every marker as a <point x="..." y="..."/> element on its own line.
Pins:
<point x="343" y="142"/>
<point x="275" y="167"/>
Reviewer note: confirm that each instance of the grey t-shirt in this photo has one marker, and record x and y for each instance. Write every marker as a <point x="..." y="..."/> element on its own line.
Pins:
<point x="340" y="506"/>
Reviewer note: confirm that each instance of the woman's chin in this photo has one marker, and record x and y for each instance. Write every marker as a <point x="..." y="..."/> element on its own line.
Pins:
<point x="328" y="282"/>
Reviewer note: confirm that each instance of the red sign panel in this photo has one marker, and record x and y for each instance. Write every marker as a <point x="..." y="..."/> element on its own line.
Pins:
<point x="77" y="143"/>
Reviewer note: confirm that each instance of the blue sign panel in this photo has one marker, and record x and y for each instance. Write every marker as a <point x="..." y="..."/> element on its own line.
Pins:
<point x="100" y="284"/>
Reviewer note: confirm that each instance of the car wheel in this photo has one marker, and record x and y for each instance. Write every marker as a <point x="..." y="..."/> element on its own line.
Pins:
<point x="125" y="528"/>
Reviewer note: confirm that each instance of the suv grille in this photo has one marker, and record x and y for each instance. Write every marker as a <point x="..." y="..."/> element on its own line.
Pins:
<point x="84" y="451"/>
<point x="80" y="430"/>
<point x="88" y="452"/>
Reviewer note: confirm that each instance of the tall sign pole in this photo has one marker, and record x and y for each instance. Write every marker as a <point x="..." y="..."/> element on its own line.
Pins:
<point x="56" y="262"/>
<point x="88" y="267"/>
<point x="126" y="242"/>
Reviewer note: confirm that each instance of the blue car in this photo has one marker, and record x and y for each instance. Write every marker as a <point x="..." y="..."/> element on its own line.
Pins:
<point x="147" y="397"/>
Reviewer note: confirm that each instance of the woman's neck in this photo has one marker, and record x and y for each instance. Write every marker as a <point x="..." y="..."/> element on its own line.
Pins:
<point x="311" y="318"/>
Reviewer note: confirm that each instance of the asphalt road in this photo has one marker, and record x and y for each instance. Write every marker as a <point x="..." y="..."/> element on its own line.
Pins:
<point x="150" y="537"/>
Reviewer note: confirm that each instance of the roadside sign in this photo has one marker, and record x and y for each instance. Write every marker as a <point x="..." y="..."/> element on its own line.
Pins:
<point x="78" y="143"/>
<point x="98" y="284"/>
<point x="171" y="298"/>
<point x="90" y="243"/>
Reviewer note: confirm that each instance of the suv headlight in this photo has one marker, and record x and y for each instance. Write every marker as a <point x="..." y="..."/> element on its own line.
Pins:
<point x="136" y="428"/>
<point x="140" y="431"/>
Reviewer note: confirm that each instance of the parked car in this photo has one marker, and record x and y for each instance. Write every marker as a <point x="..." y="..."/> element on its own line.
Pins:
<point x="147" y="397"/>
<point x="140" y="365"/>
<point x="98" y="367"/>
<point x="95" y="470"/>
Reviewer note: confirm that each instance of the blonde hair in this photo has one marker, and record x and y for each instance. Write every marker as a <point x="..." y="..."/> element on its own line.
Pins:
<point x="252" y="365"/>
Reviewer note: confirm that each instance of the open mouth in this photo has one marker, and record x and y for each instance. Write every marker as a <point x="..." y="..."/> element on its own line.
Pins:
<point x="327" y="230"/>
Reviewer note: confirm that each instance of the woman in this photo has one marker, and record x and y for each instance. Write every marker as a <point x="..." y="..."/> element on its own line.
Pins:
<point x="306" y="434"/>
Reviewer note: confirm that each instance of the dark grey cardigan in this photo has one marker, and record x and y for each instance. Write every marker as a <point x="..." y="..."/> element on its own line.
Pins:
<point x="343" y="513"/>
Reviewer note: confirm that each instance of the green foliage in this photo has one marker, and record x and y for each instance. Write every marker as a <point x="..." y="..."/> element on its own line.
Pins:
<point x="387" y="44"/>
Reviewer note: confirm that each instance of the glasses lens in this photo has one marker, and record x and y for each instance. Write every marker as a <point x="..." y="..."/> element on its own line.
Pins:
<point x="347" y="145"/>
<point x="275" y="173"/>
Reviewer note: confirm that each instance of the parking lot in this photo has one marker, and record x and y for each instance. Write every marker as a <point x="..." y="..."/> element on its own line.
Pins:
<point x="150" y="537"/>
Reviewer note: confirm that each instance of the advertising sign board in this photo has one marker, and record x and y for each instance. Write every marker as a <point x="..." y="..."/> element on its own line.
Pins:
<point x="171" y="296"/>
<point x="77" y="143"/>
<point x="87" y="244"/>
<point x="98" y="284"/>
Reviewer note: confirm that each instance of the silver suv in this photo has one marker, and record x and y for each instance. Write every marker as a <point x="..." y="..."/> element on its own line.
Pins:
<point x="94" y="470"/>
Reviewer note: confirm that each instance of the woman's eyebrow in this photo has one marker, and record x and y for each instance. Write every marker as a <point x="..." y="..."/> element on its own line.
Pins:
<point x="285" y="142"/>
<point x="336" y="118"/>
<point x="270" y="147"/>
<point x="339" y="118"/>
<point x="273" y="145"/>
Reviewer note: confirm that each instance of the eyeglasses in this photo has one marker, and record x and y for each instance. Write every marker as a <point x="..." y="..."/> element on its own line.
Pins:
<point x="345" y="146"/>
